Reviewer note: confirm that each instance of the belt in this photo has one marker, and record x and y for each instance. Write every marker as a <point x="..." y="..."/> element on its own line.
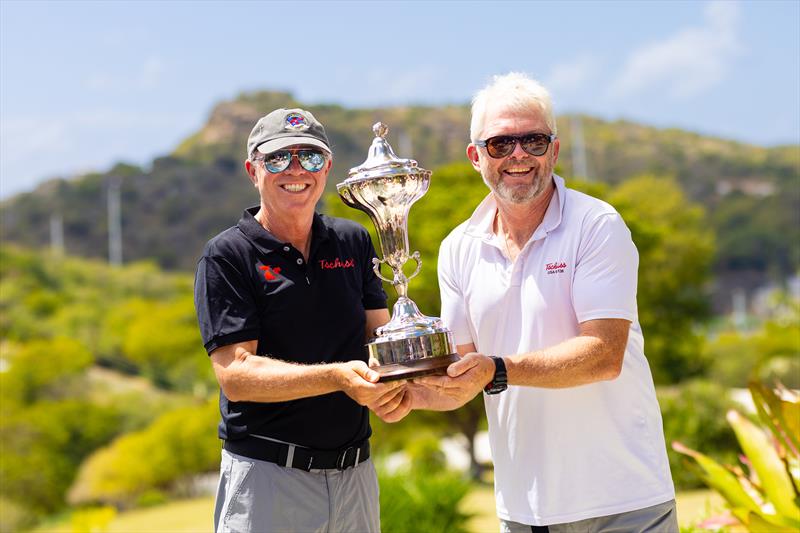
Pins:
<point x="290" y="455"/>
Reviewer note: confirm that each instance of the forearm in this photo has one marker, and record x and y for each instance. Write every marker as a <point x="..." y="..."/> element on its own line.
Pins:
<point x="262" y="379"/>
<point x="576" y="361"/>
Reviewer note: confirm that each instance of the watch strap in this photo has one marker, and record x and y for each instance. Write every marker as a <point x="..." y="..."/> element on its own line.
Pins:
<point x="499" y="382"/>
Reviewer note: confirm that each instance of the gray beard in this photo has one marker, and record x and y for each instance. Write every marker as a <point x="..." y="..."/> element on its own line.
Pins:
<point x="516" y="195"/>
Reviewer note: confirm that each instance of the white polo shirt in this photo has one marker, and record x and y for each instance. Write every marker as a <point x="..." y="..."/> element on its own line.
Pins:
<point x="560" y="455"/>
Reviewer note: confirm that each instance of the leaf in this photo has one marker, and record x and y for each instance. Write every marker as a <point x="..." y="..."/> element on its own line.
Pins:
<point x="720" y="479"/>
<point x="756" y="523"/>
<point x="771" y="470"/>
<point x="781" y="416"/>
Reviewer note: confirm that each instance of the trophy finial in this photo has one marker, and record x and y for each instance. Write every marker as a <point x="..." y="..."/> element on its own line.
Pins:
<point x="380" y="129"/>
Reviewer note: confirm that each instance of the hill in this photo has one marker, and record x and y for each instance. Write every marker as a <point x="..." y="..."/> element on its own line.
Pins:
<point x="170" y="209"/>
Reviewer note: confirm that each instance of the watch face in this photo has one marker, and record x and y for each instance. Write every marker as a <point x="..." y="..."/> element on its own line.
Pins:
<point x="496" y="387"/>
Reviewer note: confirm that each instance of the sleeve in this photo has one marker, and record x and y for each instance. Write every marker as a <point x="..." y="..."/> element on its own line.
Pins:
<point x="374" y="297"/>
<point x="606" y="271"/>
<point x="225" y="304"/>
<point x="454" y="307"/>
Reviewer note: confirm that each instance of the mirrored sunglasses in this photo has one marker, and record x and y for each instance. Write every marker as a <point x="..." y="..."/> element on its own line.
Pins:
<point x="310" y="160"/>
<point x="503" y="145"/>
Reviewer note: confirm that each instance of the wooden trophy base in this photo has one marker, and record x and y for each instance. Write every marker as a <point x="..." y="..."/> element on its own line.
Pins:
<point x="415" y="368"/>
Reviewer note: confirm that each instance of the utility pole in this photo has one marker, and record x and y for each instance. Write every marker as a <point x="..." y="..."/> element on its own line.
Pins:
<point x="579" y="167"/>
<point x="56" y="233"/>
<point x="114" y="221"/>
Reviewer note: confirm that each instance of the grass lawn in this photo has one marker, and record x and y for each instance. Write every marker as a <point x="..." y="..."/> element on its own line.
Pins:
<point x="195" y="515"/>
<point x="184" y="516"/>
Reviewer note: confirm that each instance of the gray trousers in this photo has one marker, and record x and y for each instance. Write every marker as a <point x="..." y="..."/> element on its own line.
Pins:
<point x="260" y="497"/>
<point x="661" y="518"/>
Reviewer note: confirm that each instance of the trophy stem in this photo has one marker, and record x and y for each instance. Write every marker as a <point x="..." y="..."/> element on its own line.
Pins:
<point x="402" y="288"/>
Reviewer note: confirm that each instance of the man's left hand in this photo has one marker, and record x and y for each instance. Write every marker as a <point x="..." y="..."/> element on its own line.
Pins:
<point x="464" y="380"/>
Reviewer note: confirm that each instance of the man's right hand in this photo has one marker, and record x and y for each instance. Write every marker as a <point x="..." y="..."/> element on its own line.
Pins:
<point x="360" y="382"/>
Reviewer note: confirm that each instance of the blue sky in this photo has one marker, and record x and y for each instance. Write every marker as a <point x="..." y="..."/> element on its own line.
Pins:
<point x="86" y="84"/>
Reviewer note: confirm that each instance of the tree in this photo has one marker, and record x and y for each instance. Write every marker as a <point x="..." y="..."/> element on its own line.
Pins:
<point x="676" y="247"/>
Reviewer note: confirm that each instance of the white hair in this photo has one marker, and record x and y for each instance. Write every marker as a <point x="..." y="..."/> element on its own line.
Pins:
<point x="517" y="92"/>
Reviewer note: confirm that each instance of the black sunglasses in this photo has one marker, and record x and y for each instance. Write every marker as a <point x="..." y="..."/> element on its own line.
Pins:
<point x="503" y="145"/>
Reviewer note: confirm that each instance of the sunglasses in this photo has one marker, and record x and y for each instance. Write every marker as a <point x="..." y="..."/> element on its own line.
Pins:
<point x="503" y="145"/>
<point x="310" y="160"/>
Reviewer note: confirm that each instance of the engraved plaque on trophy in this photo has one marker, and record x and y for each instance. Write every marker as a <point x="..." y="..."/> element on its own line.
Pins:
<point x="385" y="186"/>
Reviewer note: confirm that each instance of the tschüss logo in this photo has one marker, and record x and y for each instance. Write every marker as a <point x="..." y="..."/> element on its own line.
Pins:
<point x="555" y="268"/>
<point x="326" y="264"/>
<point x="270" y="273"/>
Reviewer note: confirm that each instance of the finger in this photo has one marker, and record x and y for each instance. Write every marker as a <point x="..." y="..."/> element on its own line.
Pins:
<point x="393" y="402"/>
<point x="396" y="393"/>
<point x="399" y="412"/>
<point x="463" y="365"/>
<point x="361" y="368"/>
<point x="373" y="362"/>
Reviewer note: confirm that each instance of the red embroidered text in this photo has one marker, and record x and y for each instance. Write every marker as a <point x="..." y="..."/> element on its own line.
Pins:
<point x="336" y="263"/>
<point x="555" y="268"/>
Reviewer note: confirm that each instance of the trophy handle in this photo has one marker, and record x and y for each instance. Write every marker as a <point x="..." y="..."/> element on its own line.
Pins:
<point x="400" y="281"/>
<point x="415" y="257"/>
<point x="376" y="267"/>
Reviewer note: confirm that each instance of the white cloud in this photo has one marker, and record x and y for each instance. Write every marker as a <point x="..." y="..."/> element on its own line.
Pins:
<point x="687" y="63"/>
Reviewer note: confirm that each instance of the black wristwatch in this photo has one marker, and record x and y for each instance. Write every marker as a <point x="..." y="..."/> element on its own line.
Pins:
<point x="499" y="382"/>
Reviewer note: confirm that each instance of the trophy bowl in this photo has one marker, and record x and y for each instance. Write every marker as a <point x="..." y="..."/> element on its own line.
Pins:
<point x="385" y="186"/>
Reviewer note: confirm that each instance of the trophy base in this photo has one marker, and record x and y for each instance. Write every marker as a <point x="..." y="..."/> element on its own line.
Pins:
<point x="416" y="368"/>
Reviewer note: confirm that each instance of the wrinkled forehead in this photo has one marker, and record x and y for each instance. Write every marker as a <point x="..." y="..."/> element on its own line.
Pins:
<point x="505" y="119"/>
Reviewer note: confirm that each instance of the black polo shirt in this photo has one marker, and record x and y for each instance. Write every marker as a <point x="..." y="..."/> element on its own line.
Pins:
<point x="251" y="286"/>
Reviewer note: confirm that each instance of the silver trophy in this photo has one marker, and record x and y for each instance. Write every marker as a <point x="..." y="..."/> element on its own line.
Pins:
<point x="384" y="186"/>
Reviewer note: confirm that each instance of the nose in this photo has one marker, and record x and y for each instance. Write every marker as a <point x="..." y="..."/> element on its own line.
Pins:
<point x="518" y="152"/>
<point x="294" y="167"/>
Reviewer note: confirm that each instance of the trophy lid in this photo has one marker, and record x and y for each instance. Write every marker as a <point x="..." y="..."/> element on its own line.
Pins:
<point x="382" y="161"/>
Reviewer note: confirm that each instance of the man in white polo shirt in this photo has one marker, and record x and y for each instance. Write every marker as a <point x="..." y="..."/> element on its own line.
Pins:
<point x="539" y="289"/>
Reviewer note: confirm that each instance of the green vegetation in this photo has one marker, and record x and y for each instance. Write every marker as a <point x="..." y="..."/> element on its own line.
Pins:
<point x="767" y="354"/>
<point x="763" y="493"/>
<point x="694" y="413"/>
<point x="138" y="465"/>
<point x="60" y="318"/>
<point x="424" y="495"/>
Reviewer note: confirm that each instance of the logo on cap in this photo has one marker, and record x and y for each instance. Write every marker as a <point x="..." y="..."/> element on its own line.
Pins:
<point x="296" y="121"/>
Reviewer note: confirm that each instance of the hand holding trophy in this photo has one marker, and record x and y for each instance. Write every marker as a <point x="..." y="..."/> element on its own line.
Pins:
<point x="384" y="186"/>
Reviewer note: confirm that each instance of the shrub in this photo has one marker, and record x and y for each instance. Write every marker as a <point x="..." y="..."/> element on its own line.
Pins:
<point x="763" y="492"/>
<point x="179" y="443"/>
<point x="415" y="500"/>
<point x="694" y="413"/>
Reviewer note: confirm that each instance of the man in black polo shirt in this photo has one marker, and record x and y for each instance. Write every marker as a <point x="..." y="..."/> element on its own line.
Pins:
<point x="285" y="300"/>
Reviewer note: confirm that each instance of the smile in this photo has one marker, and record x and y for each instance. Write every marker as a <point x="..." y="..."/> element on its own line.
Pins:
<point x="294" y="187"/>
<point x="517" y="171"/>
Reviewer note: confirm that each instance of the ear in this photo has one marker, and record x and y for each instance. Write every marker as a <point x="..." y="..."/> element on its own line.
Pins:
<point x="251" y="171"/>
<point x="472" y="155"/>
<point x="556" y="148"/>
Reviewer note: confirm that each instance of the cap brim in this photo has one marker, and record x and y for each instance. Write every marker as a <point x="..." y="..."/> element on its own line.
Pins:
<point x="284" y="142"/>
